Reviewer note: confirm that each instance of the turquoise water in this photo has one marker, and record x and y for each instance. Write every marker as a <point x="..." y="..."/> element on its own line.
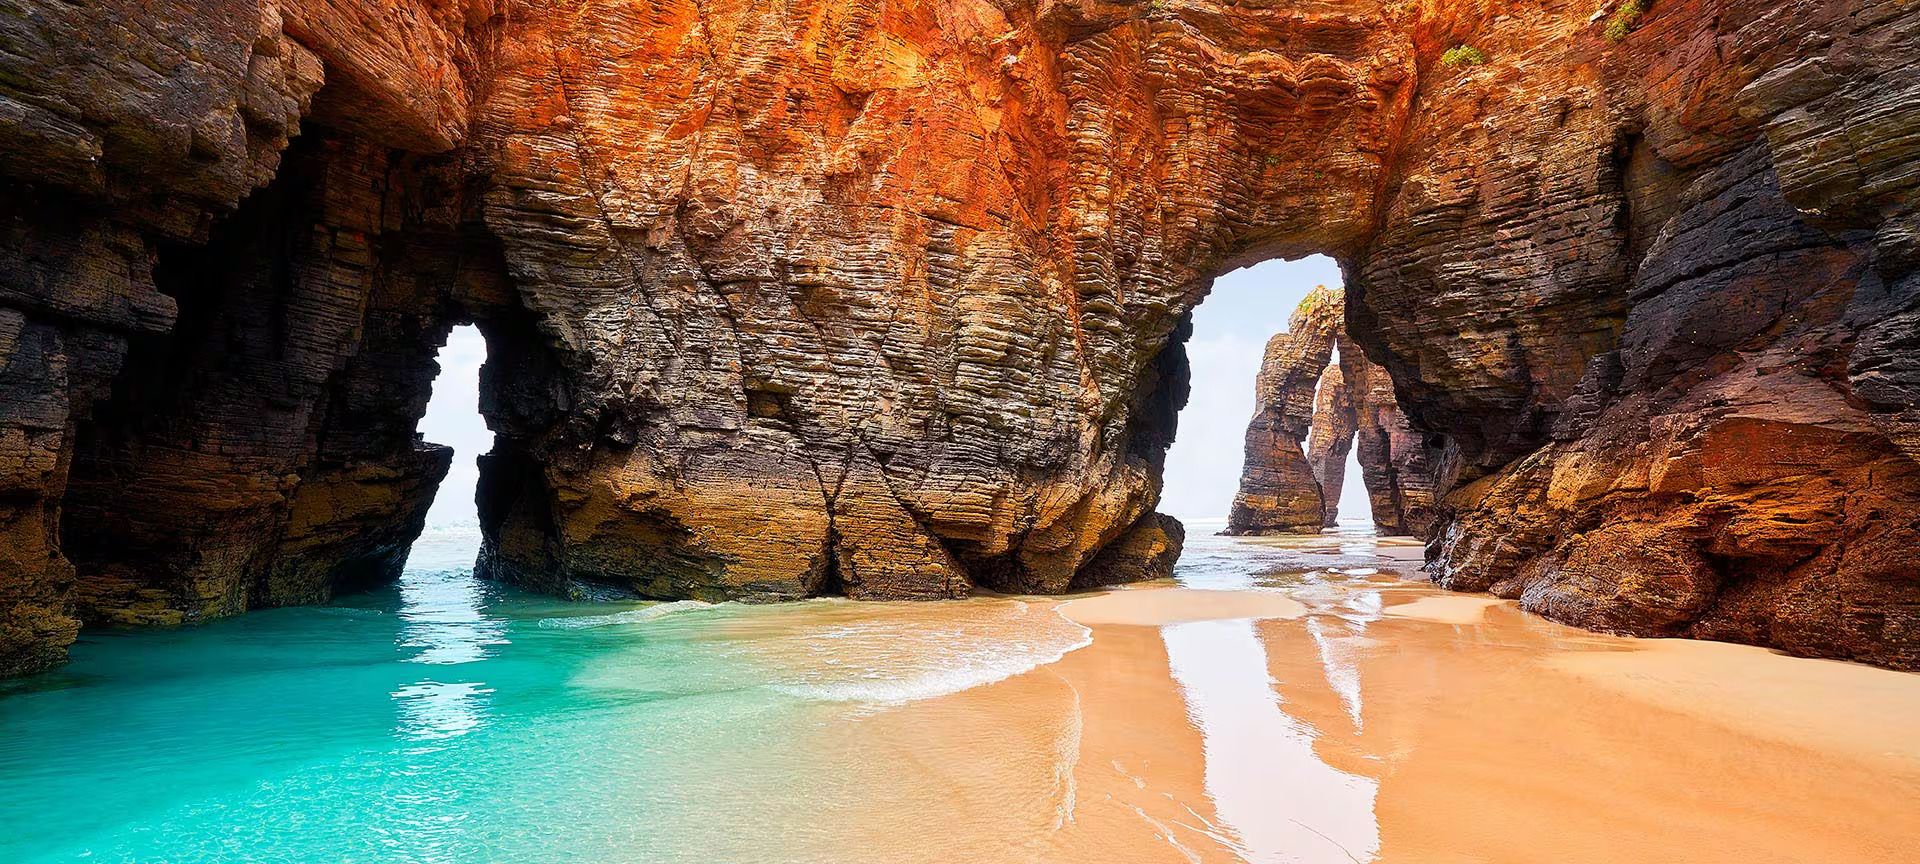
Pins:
<point x="449" y="720"/>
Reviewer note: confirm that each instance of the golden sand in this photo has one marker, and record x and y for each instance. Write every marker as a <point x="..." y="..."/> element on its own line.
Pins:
<point x="1455" y="609"/>
<point x="1868" y="714"/>
<point x="1159" y="605"/>
<point x="1340" y="718"/>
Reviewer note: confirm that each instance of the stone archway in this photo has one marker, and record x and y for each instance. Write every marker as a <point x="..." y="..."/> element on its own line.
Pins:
<point x="886" y="301"/>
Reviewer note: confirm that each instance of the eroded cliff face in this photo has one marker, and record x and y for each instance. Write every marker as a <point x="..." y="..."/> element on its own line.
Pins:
<point x="886" y="300"/>
<point x="1718" y="215"/>
<point x="204" y="411"/>
<point x="878" y="299"/>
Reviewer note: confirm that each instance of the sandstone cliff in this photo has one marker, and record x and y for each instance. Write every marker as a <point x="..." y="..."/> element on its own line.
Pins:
<point x="887" y="299"/>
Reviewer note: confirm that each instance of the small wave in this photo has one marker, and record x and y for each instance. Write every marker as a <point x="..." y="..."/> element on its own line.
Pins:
<point x="631" y="616"/>
<point x="885" y="663"/>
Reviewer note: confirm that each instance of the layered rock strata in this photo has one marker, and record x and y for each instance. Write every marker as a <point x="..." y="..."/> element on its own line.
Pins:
<point x="887" y="299"/>
<point x="1335" y="418"/>
<point x="1316" y="396"/>
<point x="1682" y="405"/>
<point x="204" y="411"/>
<point x="1396" y="460"/>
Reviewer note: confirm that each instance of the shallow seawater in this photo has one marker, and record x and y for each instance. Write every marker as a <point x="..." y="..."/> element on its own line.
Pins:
<point x="452" y="720"/>
<point x="1287" y="700"/>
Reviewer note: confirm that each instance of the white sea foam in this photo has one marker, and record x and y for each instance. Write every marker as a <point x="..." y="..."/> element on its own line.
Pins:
<point x="631" y="616"/>
<point x="922" y="652"/>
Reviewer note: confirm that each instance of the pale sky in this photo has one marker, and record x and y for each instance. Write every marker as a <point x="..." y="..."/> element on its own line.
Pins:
<point x="1230" y="331"/>
<point x="453" y="419"/>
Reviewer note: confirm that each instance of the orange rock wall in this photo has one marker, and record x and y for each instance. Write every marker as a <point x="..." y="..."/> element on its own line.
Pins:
<point x="886" y="299"/>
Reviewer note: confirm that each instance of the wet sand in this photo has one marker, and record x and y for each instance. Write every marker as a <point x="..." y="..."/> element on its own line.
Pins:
<point x="1353" y="716"/>
<point x="1155" y="605"/>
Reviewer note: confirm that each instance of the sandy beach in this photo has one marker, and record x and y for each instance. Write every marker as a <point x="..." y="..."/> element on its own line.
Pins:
<point x="1356" y="716"/>
<point x="1293" y="699"/>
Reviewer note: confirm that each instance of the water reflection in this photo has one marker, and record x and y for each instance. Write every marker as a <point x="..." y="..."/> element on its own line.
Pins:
<point x="1269" y="787"/>
<point x="443" y="617"/>
<point x="431" y="710"/>
<point x="444" y="620"/>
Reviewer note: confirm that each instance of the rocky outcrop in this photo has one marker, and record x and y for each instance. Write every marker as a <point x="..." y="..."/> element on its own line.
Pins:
<point x="1279" y="488"/>
<point x="1396" y="461"/>
<point x="882" y="301"/>
<point x="1331" y="439"/>
<point x="887" y="299"/>
<point x="1316" y="388"/>
<point x="1146" y="551"/>
<point x="204" y="411"/>
<point x="1678" y="409"/>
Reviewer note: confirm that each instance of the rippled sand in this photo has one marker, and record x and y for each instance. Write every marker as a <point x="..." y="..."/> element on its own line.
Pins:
<point x="1354" y="716"/>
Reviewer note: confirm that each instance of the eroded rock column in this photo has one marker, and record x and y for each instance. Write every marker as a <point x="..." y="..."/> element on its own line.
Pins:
<point x="1278" y="490"/>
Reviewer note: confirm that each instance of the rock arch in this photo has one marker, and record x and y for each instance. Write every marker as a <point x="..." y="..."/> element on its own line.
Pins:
<point x="887" y="299"/>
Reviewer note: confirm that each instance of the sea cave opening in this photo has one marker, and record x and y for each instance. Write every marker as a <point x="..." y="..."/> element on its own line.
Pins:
<point x="1206" y="464"/>
<point x="451" y="538"/>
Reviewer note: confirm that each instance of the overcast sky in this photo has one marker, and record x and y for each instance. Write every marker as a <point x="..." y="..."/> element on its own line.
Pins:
<point x="1230" y="331"/>
<point x="453" y="419"/>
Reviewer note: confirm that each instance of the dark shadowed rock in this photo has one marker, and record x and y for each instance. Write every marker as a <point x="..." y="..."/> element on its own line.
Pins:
<point x="1145" y="552"/>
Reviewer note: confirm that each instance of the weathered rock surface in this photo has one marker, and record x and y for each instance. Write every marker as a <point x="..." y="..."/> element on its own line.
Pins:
<point x="1396" y="461"/>
<point x="1331" y="439"/>
<point x="1146" y="551"/>
<point x="202" y="413"/>
<point x="1279" y="487"/>
<point x="887" y="299"/>
<point x="1316" y="388"/>
<point x="1678" y="408"/>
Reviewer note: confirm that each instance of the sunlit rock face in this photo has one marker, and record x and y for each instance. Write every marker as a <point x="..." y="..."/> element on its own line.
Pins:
<point x="878" y="299"/>
<point x="886" y="299"/>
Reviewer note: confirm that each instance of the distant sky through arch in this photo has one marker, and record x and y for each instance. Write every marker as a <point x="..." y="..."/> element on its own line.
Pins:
<point x="1230" y="332"/>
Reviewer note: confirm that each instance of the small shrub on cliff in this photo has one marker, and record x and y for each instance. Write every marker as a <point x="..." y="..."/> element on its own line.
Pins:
<point x="1625" y="18"/>
<point x="1466" y="55"/>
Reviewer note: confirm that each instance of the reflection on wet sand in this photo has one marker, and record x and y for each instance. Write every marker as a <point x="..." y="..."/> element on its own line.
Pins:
<point x="1281" y="800"/>
<point x="1385" y="720"/>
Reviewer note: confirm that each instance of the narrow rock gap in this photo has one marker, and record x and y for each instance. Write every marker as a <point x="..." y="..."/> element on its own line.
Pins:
<point x="452" y="535"/>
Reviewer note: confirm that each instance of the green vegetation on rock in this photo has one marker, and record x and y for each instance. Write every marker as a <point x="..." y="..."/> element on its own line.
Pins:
<point x="1625" y="18"/>
<point x="1466" y="55"/>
